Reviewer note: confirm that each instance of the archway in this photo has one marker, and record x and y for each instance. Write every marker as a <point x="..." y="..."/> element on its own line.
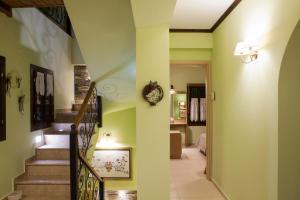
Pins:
<point x="289" y="121"/>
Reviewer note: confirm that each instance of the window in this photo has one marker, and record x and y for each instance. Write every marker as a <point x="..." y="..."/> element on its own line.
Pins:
<point x="2" y="100"/>
<point x="42" y="97"/>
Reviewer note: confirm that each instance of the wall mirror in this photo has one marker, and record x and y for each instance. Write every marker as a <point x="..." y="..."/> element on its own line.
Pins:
<point x="179" y="106"/>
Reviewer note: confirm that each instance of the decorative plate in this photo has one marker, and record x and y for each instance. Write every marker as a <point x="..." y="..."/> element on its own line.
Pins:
<point x="153" y="93"/>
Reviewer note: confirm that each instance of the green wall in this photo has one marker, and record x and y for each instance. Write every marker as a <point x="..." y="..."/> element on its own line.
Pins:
<point x="289" y="126"/>
<point x="190" y="54"/>
<point x="245" y="113"/>
<point x="152" y="122"/>
<point x="191" y="46"/>
<point x="122" y="125"/>
<point x="29" y="38"/>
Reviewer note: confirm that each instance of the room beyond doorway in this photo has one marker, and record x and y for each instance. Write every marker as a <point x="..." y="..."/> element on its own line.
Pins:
<point x="191" y="135"/>
<point x="205" y="68"/>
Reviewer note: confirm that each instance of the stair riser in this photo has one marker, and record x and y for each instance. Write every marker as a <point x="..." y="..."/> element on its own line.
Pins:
<point x="45" y="190"/>
<point x="62" y="126"/>
<point x="65" y="118"/>
<point x="52" y="154"/>
<point x="65" y="126"/>
<point x="61" y="140"/>
<point x="48" y="170"/>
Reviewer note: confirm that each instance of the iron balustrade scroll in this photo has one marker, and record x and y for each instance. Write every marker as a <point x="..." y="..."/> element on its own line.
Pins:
<point x="85" y="182"/>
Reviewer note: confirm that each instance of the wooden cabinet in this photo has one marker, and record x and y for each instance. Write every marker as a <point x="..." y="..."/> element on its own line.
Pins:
<point x="182" y="125"/>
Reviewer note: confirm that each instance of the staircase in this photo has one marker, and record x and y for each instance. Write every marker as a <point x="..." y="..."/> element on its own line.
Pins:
<point x="47" y="175"/>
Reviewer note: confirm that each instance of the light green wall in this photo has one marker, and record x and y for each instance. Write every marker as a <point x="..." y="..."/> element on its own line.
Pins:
<point x="123" y="128"/>
<point x="190" y="54"/>
<point x="289" y="126"/>
<point x="181" y="75"/>
<point x="152" y="122"/>
<point x="77" y="58"/>
<point x="191" y="40"/>
<point x="245" y="123"/>
<point x="191" y="46"/>
<point x="31" y="39"/>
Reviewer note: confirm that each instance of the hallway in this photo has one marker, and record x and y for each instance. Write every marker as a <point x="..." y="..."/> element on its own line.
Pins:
<point x="188" y="181"/>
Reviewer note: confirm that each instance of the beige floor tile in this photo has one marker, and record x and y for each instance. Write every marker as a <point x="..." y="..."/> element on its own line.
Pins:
<point x="188" y="181"/>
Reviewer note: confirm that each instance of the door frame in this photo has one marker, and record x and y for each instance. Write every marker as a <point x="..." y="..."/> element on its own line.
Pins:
<point x="210" y="98"/>
<point x="2" y="99"/>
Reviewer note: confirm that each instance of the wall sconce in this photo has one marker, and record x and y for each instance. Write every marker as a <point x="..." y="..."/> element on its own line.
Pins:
<point x="172" y="90"/>
<point x="247" y="52"/>
<point x="106" y="141"/>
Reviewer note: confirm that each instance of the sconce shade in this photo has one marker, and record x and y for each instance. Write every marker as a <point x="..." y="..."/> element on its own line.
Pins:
<point x="172" y="90"/>
<point x="247" y="52"/>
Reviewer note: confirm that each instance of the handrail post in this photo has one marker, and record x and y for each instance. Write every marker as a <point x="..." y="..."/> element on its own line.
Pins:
<point x="73" y="163"/>
<point x="101" y="190"/>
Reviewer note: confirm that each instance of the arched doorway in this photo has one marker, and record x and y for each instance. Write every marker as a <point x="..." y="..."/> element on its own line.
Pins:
<point x="289" y="121"/>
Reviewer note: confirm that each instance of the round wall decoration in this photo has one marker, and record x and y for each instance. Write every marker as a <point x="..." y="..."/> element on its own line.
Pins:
<point x="153" y="93"/>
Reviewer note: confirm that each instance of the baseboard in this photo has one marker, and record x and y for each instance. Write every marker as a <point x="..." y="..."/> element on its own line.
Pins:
<point x="220" y="190"/>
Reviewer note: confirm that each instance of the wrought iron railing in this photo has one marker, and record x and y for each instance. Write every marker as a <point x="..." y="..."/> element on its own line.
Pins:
<point x="85" y="182"/>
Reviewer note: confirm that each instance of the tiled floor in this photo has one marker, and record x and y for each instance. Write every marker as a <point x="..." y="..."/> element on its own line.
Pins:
<point x="188" y="181"/>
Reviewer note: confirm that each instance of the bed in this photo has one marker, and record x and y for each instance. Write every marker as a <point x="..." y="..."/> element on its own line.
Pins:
<point x="202" y="143"/>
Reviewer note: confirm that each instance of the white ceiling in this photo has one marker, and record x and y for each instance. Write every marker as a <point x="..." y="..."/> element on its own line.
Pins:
<point x="198" y="14"/>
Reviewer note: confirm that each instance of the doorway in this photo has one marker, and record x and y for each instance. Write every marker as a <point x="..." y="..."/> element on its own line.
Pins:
<point x="190" y="82"/>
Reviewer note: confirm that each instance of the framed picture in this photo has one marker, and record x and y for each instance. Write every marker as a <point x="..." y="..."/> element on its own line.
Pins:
<point x="112" y="163"/>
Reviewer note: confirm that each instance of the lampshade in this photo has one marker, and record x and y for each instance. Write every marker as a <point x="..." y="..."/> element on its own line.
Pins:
<point x="172" y="90"/>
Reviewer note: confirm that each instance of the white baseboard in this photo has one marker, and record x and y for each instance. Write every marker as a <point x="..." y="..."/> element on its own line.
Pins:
<point x="220" y="190"/>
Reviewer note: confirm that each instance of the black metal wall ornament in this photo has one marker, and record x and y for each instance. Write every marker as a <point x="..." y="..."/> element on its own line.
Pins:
<point x="21" y="100"/>
<point x="13" y="80"/>
<point x="153" y="93"/>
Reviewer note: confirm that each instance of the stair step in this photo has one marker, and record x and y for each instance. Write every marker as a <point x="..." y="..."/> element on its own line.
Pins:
<point x="48" y="162"/>
<point x="43" y="180"/>
<point x="48" y="167"/>
<point x="44" y="186"/>
<point x="66" y="117"/>
<point x="57" y="132"/>
<point x="53" y="152"/>
<point x="45" y="198"/>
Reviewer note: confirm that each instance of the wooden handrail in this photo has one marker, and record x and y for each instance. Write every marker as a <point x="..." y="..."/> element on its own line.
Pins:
<point x="84" y="104"/>
<point x="90" y="168"/>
